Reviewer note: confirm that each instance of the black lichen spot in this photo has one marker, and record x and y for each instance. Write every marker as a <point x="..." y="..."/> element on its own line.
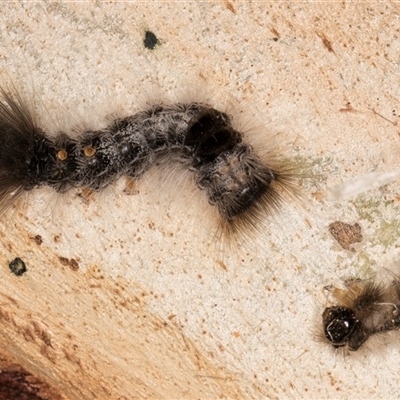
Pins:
<point x="17" y="266"/>
<point x="150" y="40"/>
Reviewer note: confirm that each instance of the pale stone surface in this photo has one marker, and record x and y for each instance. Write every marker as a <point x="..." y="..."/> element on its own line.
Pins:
<point x="154" y="311"/>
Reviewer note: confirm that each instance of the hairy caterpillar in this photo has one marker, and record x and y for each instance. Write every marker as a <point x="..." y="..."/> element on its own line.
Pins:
<point x="365" y="309"/>
<point x="194" y="134"/>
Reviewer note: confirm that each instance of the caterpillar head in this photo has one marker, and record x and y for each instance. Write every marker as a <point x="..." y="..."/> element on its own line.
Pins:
<point x="209" y="134"/>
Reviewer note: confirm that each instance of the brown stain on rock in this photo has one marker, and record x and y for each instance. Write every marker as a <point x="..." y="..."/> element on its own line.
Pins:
<point x="346" y="234"/>
<point x="18" y="384"/>
<point x="70" y="262"/>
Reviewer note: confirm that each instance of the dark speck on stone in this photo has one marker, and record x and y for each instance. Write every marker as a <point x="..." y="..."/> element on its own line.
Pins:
<point x="150" y="40"/>
<point x="17" y="266"/>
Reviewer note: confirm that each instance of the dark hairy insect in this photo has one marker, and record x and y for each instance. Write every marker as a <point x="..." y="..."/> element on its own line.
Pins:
<point x="241" y="186"/>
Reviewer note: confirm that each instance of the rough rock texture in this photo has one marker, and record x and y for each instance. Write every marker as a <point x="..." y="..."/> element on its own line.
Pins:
<point x="127" y="296"/>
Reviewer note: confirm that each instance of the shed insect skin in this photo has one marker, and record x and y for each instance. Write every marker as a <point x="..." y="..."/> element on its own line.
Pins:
<point x="365" y="309"/>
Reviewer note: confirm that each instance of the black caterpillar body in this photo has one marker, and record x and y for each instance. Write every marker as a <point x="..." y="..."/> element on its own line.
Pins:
<point x="199" y="136"/>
